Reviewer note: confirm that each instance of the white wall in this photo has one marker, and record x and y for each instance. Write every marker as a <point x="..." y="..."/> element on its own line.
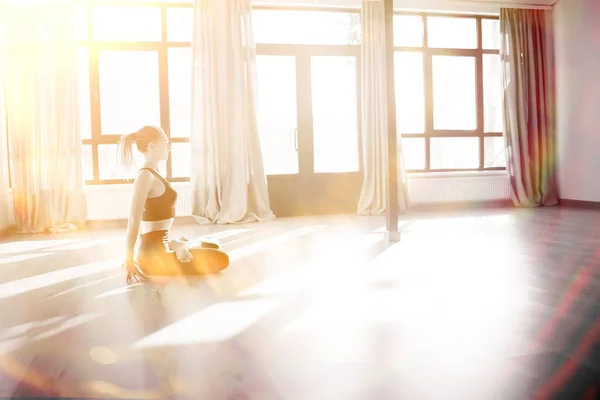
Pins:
<point x="577" y="52"/>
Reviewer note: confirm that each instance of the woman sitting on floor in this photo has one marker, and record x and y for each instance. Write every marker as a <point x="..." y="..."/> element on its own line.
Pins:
<point x="152" y="215"/>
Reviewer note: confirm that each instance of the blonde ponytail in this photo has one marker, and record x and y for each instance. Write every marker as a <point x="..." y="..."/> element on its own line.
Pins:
<point x="125" y="150"/>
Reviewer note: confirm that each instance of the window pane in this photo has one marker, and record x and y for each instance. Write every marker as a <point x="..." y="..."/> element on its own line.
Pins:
<point x="83" y="72"/>
<point x="87" y="163"/>
<point x="410" y="92"/>
<point x="180" y="24"/>
<point x="335" y="125"/>
<point x="305" y="27"/>
<point x="492" y="93"/>
<point x="277" y="119"/>
<point x="452" y="33"/>
<point x="81" y="23"/>
<point x="413" y="150"/>
<point x="180" y="93"/>
<point x="109" y="166"/>
<point x="408" y="30"/>
<point x="454" y="100"/>
<point x="136" y="24"/>
<point x="180" y="160"/>
<point x="494" y="154"/>
<point x="454" y="153"/>
<point x="129" y="93"/>
<point x="490" y="34"/>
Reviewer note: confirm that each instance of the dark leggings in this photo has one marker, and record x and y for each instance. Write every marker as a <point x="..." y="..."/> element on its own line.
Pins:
<point x="155" y="258"/>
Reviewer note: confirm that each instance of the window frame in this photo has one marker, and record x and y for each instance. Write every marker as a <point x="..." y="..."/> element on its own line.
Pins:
<point x="161" y="48"/>
<point x="428" y="54"/>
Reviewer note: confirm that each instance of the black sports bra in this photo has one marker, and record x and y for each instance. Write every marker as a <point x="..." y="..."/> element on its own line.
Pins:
<point x="160" y="207"/>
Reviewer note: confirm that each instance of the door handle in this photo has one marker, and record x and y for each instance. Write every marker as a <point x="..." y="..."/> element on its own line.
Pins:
<point x="296" y="138"/>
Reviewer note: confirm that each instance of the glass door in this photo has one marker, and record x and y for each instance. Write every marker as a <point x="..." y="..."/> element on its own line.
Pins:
<point x="277" y="115"/>
<point x="334" y="114"/>
<point x="309" y="131"/>
<point x="278" y="130"/>
<point x="335" y="181"/>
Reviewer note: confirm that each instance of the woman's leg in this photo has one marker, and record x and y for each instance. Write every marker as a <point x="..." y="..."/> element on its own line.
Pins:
<point x="206" y="261"/>
<point x="207" y="257"/>
<point x="201" y="242"/>
<point x="159" y="262"/>
<point x="156" y="259"/>
<point x="203" y="262"/>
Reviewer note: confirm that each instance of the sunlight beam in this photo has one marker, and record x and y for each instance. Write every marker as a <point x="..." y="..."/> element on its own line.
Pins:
<point x="23" y="257"/>
<point x="20" y="286"/>
<point x="215" y="323"/>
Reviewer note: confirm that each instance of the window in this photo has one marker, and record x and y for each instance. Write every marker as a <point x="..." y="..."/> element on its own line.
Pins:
<point x="133" y="75"/>
<point x="290" y="27"/>
<point x="334" y="109"/>
<point x="129" y="90"/>
<point x="277" y="113"/>
<point x="448" y="92"/>
<point x="115" y="23"/>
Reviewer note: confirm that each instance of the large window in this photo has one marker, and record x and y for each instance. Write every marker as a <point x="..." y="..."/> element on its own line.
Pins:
<point x="447" y="77"/>
<point x="448" y="92"/>
<point x="135" y="70"/>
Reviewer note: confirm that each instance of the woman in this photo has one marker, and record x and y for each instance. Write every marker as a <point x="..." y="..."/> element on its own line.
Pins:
<point x="152" y="214"/>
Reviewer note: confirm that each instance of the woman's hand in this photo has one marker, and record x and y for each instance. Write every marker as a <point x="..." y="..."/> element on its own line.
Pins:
<point x="133" y="274"/>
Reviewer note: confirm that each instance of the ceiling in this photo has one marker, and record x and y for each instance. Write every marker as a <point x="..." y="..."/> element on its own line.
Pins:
<point x="447" y="5"/>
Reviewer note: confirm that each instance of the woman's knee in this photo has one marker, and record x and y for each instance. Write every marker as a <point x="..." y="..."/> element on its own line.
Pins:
<point x="211" y="259"/>
<point x="221" y="258"/>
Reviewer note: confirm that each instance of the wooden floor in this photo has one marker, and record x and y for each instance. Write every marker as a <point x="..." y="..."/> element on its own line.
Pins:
<point x="498" y="304"/>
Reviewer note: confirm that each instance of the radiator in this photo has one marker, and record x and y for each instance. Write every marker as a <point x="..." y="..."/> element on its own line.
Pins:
<point x="466" y="188"/>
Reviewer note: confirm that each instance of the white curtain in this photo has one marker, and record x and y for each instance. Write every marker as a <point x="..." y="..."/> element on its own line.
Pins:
<point x="374" y="116"/>
<point x="39" y="57"/>
<point x="6" y="216"/>
<point x="227" y="168"/>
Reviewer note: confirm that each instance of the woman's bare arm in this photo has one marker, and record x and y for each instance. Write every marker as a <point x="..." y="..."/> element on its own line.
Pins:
<point x="141" y="188"/>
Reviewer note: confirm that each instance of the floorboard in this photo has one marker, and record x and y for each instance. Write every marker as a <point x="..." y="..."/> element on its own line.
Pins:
<point x="480" y="304"/>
